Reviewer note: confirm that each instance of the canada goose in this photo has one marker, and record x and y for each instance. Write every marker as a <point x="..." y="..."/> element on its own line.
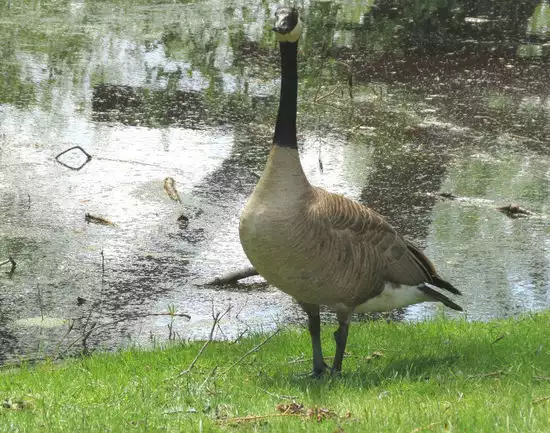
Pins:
<point x="322" y="248"/>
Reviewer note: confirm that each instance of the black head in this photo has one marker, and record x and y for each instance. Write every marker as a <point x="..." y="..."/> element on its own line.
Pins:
<point x="288" y="26"/>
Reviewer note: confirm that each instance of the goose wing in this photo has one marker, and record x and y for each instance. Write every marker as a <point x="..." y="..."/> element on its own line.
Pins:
<point x="373" y="239"/>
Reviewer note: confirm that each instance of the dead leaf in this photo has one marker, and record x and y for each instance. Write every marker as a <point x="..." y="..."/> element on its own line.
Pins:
<point x="170" y="189"/>
<point x="374" y="355"/>
<point x="290" y="407"/>
<point x="320" y="413"/>
<point x="16" y="404"/>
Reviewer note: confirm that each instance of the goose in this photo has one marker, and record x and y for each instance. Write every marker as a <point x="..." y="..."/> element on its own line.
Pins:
<point x="323" y="248"/>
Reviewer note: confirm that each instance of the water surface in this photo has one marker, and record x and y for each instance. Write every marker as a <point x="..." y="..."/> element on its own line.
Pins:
<point x="388" y="115"/>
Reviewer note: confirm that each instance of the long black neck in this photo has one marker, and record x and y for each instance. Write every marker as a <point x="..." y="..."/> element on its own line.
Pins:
<point x="285" y="127"/>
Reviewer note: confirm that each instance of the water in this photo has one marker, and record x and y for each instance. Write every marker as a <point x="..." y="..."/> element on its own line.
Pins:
<point x="154" y="90"/>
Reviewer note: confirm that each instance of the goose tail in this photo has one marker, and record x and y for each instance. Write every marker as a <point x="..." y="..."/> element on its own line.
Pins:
<point x="442" y="284"/>
<point x="429" y="290"/>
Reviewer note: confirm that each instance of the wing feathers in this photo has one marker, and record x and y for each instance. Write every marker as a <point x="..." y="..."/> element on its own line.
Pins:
<point x="374" y="239"/>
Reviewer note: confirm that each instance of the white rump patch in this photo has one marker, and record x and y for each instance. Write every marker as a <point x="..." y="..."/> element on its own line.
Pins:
<point x="393" y="296"/>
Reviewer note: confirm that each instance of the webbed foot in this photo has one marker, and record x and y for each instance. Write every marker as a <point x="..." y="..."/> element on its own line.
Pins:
<point x="317" y="373"/>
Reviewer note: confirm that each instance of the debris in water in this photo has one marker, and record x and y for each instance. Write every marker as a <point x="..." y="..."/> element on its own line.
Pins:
<point x="448" y="195"/>
<point x="445" y="195"/>
<point x="514" y="211"/>
<point x="233" y="277"/>
<point x="13" y="265"/>
<point x="170" y="189"/>
<point x="97" y="220"/>
<point x="183" y="221"/>
<point x="76" y="168"/>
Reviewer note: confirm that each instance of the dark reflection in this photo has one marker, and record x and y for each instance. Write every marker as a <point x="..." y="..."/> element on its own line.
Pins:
<point x="187" y="109"/>
<point x="400" y="184"/>
<point x="14" y="89"/>
<point x="239" y="173"/>
<point x="117" y="103"/>
<point x="484" y="93"/>
<point x="434" y="26"/>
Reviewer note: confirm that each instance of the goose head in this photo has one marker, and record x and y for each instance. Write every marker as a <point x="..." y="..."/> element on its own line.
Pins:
<point x="288" y="27"/>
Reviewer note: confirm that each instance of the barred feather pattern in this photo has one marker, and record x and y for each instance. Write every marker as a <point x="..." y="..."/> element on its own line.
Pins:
<point x="320" y="247"/>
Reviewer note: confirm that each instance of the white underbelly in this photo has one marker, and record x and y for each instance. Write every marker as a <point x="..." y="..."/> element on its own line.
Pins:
<point x="393" y="296"/>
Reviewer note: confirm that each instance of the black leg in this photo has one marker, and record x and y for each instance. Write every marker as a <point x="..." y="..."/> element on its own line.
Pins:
<point x="341" y="338"/>
<point x="314" y="326"/>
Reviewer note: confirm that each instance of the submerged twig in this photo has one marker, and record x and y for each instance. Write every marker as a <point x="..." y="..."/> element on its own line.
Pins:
<point x="127" y="161"/>
<point x="514" y="211"/>
<point x="187" y="316"/>
<point x="102" y="267"/>
<point x="13" y="265"/>
<point x="97" y="220"/>
<point x="233" y="277"/>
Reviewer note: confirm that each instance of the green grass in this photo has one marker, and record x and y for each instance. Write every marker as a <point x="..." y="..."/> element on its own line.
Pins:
<point x="440" y="376"/>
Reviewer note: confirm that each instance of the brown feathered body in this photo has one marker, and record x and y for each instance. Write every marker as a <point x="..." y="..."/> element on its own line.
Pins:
<point x="325" y="249"/>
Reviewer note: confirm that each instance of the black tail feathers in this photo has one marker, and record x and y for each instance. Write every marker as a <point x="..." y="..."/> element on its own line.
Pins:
<point x="442" y="284"/>
<point x="436" y="296"/>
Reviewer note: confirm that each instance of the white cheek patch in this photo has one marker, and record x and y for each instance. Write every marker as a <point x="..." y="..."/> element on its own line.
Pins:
<point x="291" y="36"/>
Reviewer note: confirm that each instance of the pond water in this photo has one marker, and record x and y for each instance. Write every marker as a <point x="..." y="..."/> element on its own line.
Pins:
<point x="435" y="133"/>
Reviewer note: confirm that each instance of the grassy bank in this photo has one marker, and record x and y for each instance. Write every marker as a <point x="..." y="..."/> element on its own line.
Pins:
<point x="441" y="376"/>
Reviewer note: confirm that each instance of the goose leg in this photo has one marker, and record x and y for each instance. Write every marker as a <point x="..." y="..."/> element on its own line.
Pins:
<point x="341" y="338"/>
<point x="314" y="326"/>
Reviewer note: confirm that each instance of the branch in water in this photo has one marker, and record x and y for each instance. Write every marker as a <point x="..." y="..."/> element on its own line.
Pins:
<point x="233" y="277"/>
<point x="13" y="264"/>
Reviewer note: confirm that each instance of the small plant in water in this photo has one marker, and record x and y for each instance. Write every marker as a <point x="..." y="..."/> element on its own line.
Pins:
<point x="172" y="313"/>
